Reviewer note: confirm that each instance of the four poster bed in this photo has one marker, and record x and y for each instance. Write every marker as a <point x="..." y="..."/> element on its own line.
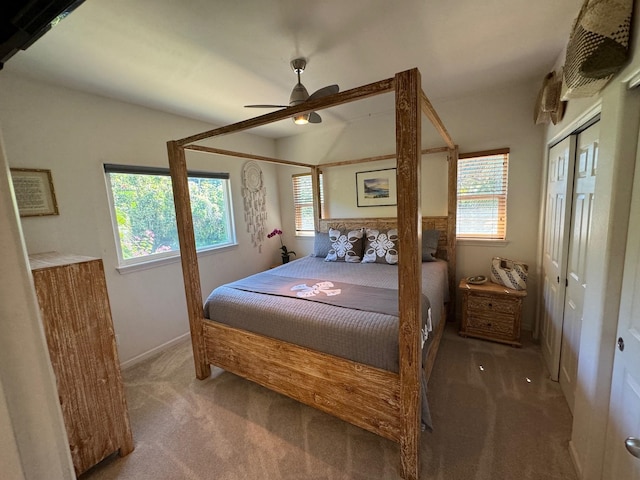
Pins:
<point x="383" y="395"/>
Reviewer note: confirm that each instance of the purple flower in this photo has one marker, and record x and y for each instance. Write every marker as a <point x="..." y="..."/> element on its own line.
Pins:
<point x="274" y="233"/>
<point x="285" y="251"/>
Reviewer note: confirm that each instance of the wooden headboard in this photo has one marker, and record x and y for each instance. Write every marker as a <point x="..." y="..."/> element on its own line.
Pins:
<point x="428" y="223"/>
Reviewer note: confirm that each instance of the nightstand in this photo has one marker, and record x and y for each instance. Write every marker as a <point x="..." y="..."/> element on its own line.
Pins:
<point x="492" y="312"/>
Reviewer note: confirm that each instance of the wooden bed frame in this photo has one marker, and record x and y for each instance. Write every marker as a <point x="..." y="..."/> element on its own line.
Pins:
<point x="383" y="402"/>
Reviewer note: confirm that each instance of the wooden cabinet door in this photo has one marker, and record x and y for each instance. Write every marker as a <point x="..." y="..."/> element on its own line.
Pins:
<point x="77" y="322"/>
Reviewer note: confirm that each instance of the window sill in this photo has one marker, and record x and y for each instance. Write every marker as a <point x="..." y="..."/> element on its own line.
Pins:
<point x="477" y="242"/>
<point x="159" y="262"/>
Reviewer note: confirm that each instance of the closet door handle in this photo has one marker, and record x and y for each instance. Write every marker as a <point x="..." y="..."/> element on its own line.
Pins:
<point x="633" y="446"/>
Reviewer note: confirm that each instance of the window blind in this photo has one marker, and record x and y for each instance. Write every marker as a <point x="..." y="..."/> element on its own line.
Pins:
<point x="482" y="195"/>
<point x="303" y="202"/>
<point x="135" y="169"/>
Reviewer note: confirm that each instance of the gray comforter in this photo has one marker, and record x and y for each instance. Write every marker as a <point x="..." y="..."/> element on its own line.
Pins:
<point x="351" y="331"/>
<point x="354" y="333"/>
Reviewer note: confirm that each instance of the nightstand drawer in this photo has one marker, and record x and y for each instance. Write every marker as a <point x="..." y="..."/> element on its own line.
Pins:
<point x="481" y="303"/>
<point x="495" y="325"/>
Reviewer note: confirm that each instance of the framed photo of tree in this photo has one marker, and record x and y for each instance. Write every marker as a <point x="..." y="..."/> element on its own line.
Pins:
<point x="34" y="192"/>
<point x="376" y="188"/>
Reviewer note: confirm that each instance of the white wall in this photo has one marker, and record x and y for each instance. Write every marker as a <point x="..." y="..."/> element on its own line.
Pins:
<point x="487" y="120"/>
<point x="620" y="120"/>
<point x="74" y="134"/>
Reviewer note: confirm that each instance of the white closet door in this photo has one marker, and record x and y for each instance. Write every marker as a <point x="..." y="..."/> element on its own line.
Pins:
<point x="582" y="207"/>
<point x="556" y="239"/>
<point x="624" y="407"/>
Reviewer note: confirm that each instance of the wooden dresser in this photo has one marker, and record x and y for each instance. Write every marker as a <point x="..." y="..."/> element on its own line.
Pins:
<point x="74" y="304"/>
<point x="492" y="312"/>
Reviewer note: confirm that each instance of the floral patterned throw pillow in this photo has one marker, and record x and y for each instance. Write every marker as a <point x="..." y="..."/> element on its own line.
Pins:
<point x="345" y="246"/>
<point x="381" y="246"/>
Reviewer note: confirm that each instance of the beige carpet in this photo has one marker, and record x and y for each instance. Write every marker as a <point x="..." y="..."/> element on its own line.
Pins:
<point x="495" y="412"/>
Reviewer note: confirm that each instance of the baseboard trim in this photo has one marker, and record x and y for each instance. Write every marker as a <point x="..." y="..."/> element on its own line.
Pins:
<point x="574" y="459"/>
<point x="150" y="353"/>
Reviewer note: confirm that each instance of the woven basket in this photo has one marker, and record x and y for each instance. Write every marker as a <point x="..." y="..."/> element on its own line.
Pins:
<point x="549" y="106"/>
<point x="598" y="46"/>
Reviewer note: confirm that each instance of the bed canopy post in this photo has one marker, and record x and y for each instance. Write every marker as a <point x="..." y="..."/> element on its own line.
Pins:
<point x="317" y="205"/>
<point x="451" y="231"/>
<point x="408" y="145"/>
<point x="188" y="255"/>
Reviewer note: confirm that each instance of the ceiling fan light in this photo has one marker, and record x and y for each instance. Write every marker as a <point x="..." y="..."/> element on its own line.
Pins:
<point x="301" y="119"/>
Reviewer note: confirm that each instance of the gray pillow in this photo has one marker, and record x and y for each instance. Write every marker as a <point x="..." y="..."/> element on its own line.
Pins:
<point x="321" y="244"/>
<point x="430" y="244"/>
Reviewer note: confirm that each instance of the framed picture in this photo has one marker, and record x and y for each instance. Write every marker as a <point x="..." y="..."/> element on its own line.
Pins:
<point x="376" y="188"/>
<point x="34" y="192"/>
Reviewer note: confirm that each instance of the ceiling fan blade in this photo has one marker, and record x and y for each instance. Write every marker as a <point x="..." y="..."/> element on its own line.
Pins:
<point x="324" y="92"/>
<point x="266" y="106"/>
<point x="314" y="118"/>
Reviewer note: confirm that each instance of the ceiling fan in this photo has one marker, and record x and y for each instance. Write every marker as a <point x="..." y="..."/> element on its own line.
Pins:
<point x="300" y="95"/>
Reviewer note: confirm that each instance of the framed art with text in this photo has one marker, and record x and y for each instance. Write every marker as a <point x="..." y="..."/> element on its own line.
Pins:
<point x="376" y="188"/>
<point x="34" y="192"/>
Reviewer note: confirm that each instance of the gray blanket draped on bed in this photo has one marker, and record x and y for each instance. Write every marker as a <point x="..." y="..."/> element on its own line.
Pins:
<point x="346" y="295"/>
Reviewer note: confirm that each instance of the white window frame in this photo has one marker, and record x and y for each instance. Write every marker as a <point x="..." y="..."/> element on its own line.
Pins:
<point x="155" y="259"/>
<point x="299" y="231"/>
<point x="500" y="193"/>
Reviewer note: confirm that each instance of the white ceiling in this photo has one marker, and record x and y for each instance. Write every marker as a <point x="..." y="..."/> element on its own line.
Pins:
<point x="205" y="59"/>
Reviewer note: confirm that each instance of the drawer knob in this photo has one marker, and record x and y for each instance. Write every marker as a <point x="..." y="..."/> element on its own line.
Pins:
<point x="490" y="305"/>
<point x="488" y="324"/>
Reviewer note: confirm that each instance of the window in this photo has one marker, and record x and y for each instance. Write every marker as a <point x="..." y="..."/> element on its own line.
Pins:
<point x="482" y="195"/>
<point x="303" y="203"/>
<point x="144" y="215"/>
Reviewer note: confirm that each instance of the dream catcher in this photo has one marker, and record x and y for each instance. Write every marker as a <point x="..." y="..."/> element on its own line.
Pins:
<point x="255" y="206"/>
